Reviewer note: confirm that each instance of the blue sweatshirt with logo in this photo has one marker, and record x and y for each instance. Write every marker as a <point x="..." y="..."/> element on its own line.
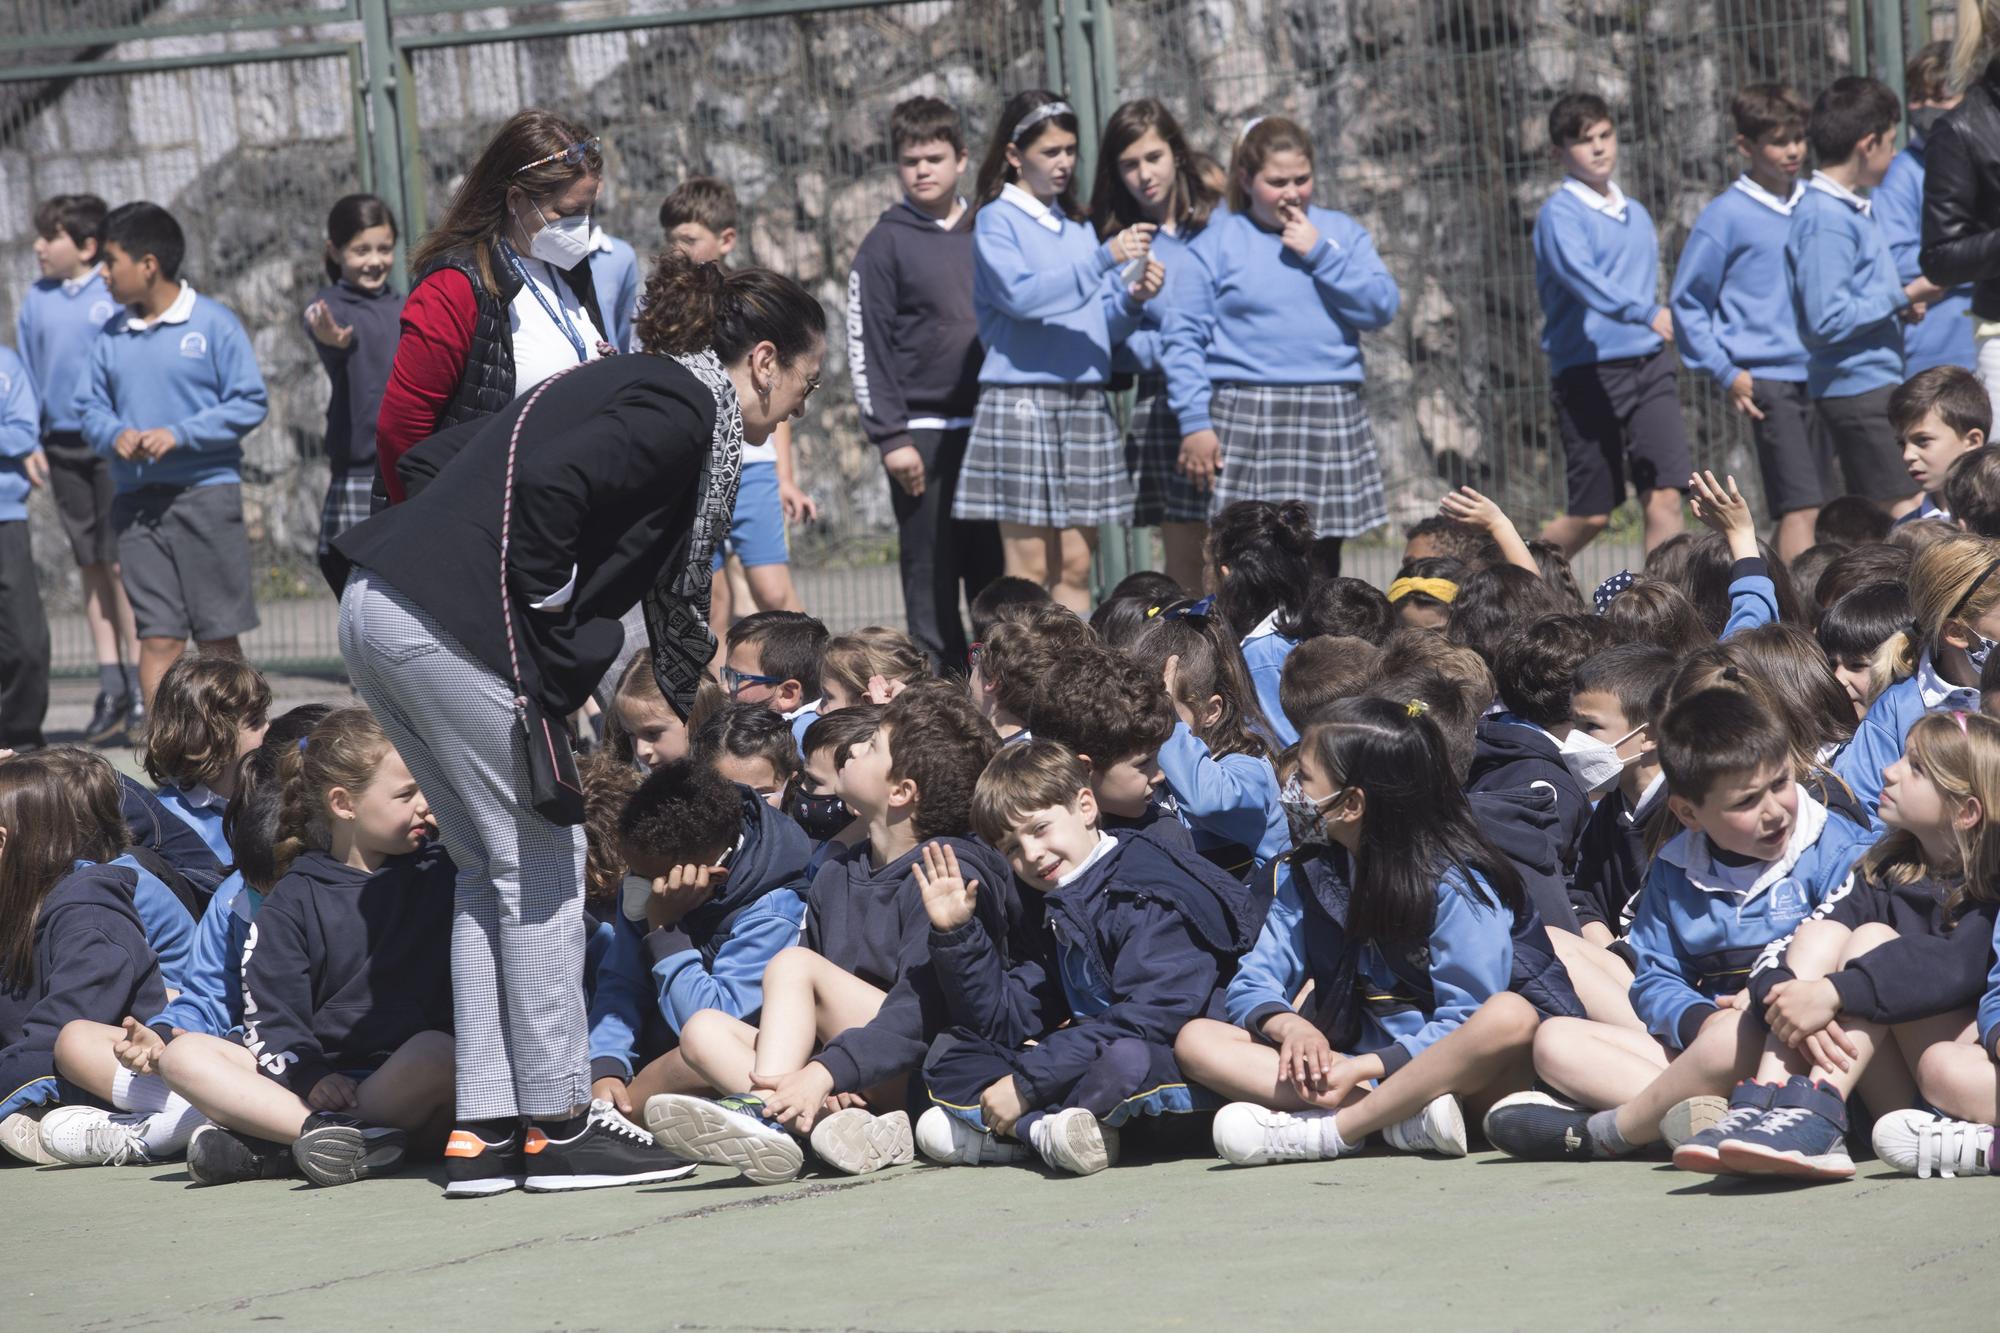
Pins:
<point x="197" y="377"/>
<point x="55" y="329"/>
<point x="1731" y="298"/>
<point x="1846" y="295"/>
<point x="20" y="434"/>
<point x="1598" y="280"/>
<point x="1050" y="303"/>
<point x="211" y="1000"/>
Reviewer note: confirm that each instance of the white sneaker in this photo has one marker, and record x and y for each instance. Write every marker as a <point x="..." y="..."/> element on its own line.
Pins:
<point x="1438" y="1128"/>
<point x="1696" y="1115"/>
<point x="88" y="1136"/>
<point x="1247" y="1134"/>
<point x="949" y="1141"/>
<point x="1921" y="1144"/>
<point x="1074" y="1140"/>
<point x="855" y="1142"/>
<point x="21" y="1136"/>
<point x="729" y="1132"/>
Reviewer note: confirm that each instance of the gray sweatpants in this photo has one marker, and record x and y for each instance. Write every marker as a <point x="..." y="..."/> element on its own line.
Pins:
<point x="517" y="941"/>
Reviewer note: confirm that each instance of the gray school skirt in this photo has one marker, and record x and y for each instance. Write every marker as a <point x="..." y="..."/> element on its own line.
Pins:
<point x="1044" y="456"/>
<point x="1309" y="442"/>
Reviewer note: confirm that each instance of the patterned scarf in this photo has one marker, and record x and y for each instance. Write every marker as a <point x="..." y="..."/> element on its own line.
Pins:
<point x="676" y="608"/>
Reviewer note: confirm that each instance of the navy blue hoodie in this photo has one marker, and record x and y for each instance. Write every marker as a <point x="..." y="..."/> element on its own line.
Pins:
<point x="1524" y="826"/>
<point x="1611" y="858"/>
<point x="1512" y="755"/>
<point x="91" y="962"/>
<point x="341" y="967"/>
<point x="1137" y="945"/>
<point x="872" y="923"/>
<point x="166" y="835"/>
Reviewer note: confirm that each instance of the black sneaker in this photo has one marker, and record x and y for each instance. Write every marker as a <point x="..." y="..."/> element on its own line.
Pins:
<point x="108" y="717"/>
<point x="476" y="1166"/>
<point x="218" y="1156"/>
<point x="338" y="1149"/>
<point x="1536" y="1127"/>
<point x="135" y="721"/>
<point x="608" y="1150"/>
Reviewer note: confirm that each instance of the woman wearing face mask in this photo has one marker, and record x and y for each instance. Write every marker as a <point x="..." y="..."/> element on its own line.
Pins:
<point x="607" y="485"/>
<point x="503" y="296"/>
<point x="1263" y="360"/>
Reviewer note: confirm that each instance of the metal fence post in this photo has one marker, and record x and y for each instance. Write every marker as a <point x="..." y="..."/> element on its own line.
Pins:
<point x="382" y="128"/>
<point x="1888" y="16"/>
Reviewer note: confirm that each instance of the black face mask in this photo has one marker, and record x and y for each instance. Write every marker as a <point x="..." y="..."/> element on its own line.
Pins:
<point x="822" y="817"/>
<point x="1924" y="119"/>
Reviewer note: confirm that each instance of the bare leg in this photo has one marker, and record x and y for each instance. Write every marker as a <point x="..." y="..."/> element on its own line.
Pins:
<point x="1893" y="1086"/>
<point x="1795" y="533"/>
<point x="1596" y="1064"/>
<point x="1183" y="544"/>
<point x="721" y="1050"/>
<point x="155" y="656"/>
<point x="221" y="1079"/>
<point x="771" y="588"/>
<point x="807" y="999"/>
<point x="1662" y="510"/>
<point x="1029" y="553"/>
<point x="1481" y="1060"/>
<point x="1960" y="1079"/>
<point x="1723" y="1053"/>
<point x="83" y="1055"/>
<point x="109" y="615"/>
<point x="1077" y="547"/>
<point x="1602" y="980"/>
<point x="1573" y="532"/>
<point x="670" y="1073"/>
<point x="1224" y="1058"/>
<point x="412" y="1091"/>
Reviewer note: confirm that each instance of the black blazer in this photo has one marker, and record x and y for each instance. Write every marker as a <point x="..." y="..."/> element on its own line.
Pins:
<point x="1961" y="241"/>
<point x="605" y="482"/>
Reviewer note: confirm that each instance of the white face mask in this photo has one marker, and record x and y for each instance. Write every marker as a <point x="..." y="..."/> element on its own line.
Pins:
<point x="561" y="241"/>
<point x="1594" y="764"/>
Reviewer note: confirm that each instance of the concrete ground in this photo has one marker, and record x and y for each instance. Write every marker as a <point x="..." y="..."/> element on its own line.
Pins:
<point x="1380" y="1240"/>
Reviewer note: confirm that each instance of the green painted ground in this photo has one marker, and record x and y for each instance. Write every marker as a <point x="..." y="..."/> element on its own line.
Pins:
<point x="1385" y="1240"/>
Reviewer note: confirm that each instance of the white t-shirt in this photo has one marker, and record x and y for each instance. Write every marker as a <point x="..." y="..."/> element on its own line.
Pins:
<point x="542" y="347"/>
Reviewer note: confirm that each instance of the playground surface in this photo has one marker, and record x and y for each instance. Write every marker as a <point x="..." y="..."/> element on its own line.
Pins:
<point x="1379" y="1240"/>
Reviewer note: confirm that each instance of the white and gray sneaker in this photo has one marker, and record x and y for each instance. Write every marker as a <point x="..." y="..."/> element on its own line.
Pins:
<point x="21" y="1136"/>
<point x="1247" y="1134"/>
<point x="945" y="1139"/>
<point x="1438" y="1128"/>
<point x="1075" y="1141"/>
<point x="90" y="1136"/>
<point x="728" y="1131"/>
<point x="856" y="1142"/>
<point x="1921" y="1144"/>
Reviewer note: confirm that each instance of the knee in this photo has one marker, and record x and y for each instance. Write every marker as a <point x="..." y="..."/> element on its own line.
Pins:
<point x="1817" y="937"/>
<point x="1593" y="523"/>
<point x="1865" y="938"/>
<point x="1125" y="1063"/>
<point x="438" y="1050"/>
<point x="791" y="967"/>
<point x="76" y="1044"/>
<point x="704" y="1025"/>
<point x="1198" y="1040"/>
<point x="1076" y="564"/>
<point x="1934" y="1067"/>
<point x="1511" y="1020"/>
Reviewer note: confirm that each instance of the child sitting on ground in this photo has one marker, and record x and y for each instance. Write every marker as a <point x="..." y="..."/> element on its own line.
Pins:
<point x="209" y="711"/>
<point x="773" y="660"/>
<point x="753" y="747"/>
<point x="852" y="663"/>
<point x="1325" y="669"/>
<point x="1020" y="661"/>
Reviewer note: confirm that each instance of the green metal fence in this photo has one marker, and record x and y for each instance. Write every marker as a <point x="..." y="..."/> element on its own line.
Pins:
<point x="248" y="119"/>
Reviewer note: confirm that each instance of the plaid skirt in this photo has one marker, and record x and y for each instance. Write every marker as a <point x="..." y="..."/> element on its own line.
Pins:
<point x="1307" y="442"/>
<point x="1153" y="453"/>
<point x="1044" y="456"/>
<point x="347" y="503"/>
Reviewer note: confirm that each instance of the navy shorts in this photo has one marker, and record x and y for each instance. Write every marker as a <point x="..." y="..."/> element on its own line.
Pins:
<point x="1858" y="432"/>
<point x="1620" y="421"/>
<point x="1796" y="460"/>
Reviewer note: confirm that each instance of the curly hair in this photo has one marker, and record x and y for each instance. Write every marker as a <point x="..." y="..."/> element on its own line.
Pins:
<point x="938" y="740"/>
<point x="203" y="702"/>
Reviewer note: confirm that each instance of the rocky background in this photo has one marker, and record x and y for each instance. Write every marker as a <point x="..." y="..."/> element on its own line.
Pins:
<point x="1428" y="114"/>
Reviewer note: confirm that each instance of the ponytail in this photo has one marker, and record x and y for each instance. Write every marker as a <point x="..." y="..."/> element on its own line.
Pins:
<point x="1973" y="45"/>
<point x="689" y="307"/>
<point x="344" y="750"/>
<point x="1267" y="549"/>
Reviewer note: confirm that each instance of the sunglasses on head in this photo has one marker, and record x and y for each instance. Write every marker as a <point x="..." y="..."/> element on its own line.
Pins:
<point x="570" y="157"/>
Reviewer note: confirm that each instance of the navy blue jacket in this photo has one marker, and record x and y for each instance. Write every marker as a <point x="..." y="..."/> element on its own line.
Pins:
<point x="91" y="962"/>
<point x="872" y="923"/>
<point x="158" y="830"/>
<point x="1611" y="860"/>
<point x="342" y="967"/>
<point x="1137" y="945"/>
<point x="1934" y="964"/>
<point x="1524" y="825"/>
<point x="1510" y="755"/>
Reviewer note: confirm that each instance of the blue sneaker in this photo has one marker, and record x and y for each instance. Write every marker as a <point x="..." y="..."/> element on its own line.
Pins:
<point x="1747" y="1106"/>
<point x="1803" y="1135"/>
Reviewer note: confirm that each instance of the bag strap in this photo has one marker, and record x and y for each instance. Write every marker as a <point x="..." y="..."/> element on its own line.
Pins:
<point x="506" y="528"/>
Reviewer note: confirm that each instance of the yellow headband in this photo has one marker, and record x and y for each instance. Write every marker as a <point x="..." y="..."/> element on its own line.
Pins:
<point x="1442" y="589"/>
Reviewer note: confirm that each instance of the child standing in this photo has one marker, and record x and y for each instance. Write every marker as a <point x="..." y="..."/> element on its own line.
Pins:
<point x="1945" y="335"/>
<point x="171" y="391"/>
<point x="24" y="628"/>
<point x="60" y="318"/>
<point x="914" y="355"/>
<point x="354" y="322"/>
<point x="1264" y="354"/>
<point x="1939" y="415"/>
<point x="1145" y="174"/>
<point x="1733" y="313"/>
<point x="1846" y="292"/>
<point x="1044" y="458"/>
<point x="346" y="1050"/>
<point x="1597" y="264"/>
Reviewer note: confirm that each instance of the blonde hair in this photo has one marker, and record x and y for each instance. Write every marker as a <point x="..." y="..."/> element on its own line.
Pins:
<point x="1977" y="38"/>
<point x="853" y="659"/>
<point x="1952" y="581"/>
<point x="344" y="750"/>
<point x="1960" y="754"/>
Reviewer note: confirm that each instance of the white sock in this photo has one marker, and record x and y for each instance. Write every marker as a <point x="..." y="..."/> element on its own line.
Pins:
<point x="1329" y="1131"/>
<point x="170" y="1120"/>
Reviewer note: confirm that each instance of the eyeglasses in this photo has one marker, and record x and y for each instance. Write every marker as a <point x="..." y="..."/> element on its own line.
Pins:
<point x="812" y="387"/>
<point x="734" y="680"/>
<point x="570" y="157"/>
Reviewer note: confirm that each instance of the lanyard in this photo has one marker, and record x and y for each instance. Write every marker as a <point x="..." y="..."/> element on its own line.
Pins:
<point x="558" y="313"/>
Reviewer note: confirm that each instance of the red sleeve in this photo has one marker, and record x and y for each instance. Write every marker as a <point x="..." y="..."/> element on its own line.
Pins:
<point x="430" y="358"/>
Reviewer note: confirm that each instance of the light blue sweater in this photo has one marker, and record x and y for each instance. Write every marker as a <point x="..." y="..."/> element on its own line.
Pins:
<point x="20" y="434"/>
<point x="1944" y="338"/>
<point x="1846" y="293"/>
<point x="1050" y="304"/>
<point x="1731" y="301"/>
<point x="1598" y="280"/>
<point x="1144" y="349"/>
<point x="55" y="329"/>
<point x="197" y="377"/>
<point x="1264" y="315"/>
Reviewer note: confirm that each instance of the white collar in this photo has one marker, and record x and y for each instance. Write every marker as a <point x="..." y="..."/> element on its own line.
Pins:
<point x="202" y="798"/>
<point x="803" y="709"/>
<point x="1106" y="844"/>
<point x="1692" y="852"/>
<point x="1032" y="206"/>
<point x="1826" y="184"/>
<point x="177" y="313"/>
<point x="71" y="286"/>
<point x="1656" y="791"/>
<point x="1268" y="625"/>
<point x="600" y="240"/>
<point x="1782" y="207"/>
<point x="1939" y="693"/>
<point x="1611" y="204"/>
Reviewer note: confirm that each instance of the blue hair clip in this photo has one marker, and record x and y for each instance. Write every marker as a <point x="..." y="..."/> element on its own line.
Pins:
<point x="1607" y="591"/>
<point x="1200" y="610"/>
<point x="302" y="743"/>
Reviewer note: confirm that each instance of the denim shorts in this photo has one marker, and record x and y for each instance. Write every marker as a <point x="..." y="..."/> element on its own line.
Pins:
<point x="757" y="531"/>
